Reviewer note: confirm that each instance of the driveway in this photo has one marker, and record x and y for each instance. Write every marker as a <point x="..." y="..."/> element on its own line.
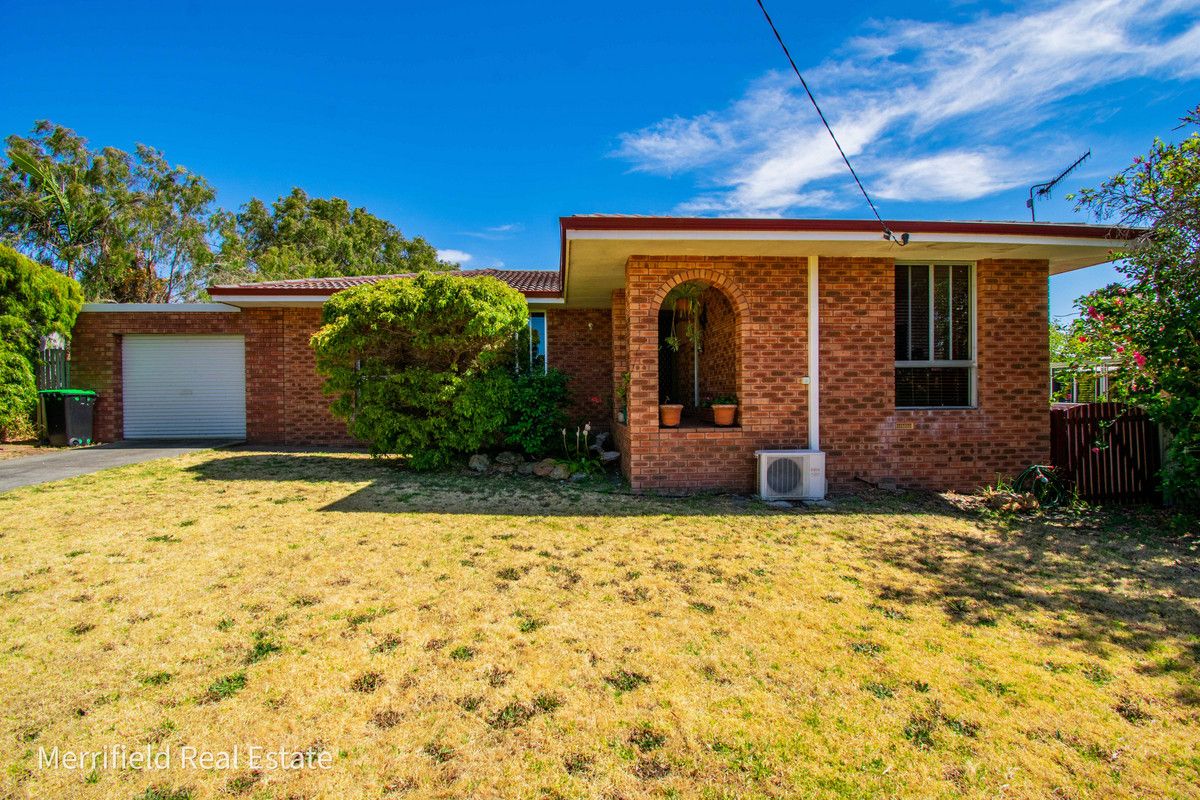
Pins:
<point x="70" y="463"/>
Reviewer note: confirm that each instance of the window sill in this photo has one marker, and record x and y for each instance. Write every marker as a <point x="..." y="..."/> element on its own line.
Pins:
<point x="699" y="425"/>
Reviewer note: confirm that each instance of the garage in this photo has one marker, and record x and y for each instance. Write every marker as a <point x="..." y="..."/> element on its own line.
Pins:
<point x="177" y="386"/>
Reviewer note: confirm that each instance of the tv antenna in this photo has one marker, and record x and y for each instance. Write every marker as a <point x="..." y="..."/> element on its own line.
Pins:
<point x="1043" y="189"/>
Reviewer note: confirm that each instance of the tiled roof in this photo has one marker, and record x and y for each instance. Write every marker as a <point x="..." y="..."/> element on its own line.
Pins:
<point x="535" y="282"/>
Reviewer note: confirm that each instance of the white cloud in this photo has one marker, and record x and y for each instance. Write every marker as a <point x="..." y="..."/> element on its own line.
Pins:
<point x="925" y="110"/>
<point x="957" y="175"/>
<point x="497" y="232"/>
<point x="456" y="256"/>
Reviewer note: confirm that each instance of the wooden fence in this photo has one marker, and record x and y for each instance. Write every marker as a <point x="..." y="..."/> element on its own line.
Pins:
<point x="1108" y="452"/>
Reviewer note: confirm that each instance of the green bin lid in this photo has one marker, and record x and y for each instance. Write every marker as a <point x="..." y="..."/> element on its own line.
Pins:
<point x="82" y="392"/>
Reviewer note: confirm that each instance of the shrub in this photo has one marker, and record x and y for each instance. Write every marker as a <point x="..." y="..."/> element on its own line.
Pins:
<point x="18" y="394"/>
<point x="34" y="301"/>
<point x="536" y="413"/>
<point x="419" y="367"/>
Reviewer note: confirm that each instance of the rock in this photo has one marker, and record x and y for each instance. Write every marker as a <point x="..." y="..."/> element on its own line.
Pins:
<point x="579" y="476"/>
<point x="505" y="469"/>
<point x="479" y="462"/>
<point x="525" y="468"/>
<point x="818" y="503"/>
<point x="609" y="456"/>
<point x="560" y="472"/>
<point x="544" y="467"/>
<point x="509" y="457"/>
<point x="598" y="442"/>
<point x="779" y="504"/>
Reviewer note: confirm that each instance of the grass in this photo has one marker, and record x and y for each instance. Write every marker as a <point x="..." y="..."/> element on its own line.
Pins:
<point x="451" y="636"/>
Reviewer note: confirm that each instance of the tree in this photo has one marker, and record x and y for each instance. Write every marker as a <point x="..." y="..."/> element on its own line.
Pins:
<point x="303" y="237"/>
<point x="130" y="228"/>
<point x="422" y="367"/>
<point x="1148" y="322"/>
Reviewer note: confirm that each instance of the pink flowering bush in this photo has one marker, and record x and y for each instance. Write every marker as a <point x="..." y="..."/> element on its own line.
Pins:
<point x="1149" y="324"/>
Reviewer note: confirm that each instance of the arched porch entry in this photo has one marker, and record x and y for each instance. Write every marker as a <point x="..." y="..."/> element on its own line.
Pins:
<point x="697" y="349"/>
<point x="699" y="336"/>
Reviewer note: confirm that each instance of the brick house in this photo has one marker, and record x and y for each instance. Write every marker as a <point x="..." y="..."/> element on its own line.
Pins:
<point x="923" y="364"/>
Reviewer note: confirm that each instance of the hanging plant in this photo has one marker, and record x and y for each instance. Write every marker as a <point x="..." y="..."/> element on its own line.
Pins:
<point x="685" y="304"/>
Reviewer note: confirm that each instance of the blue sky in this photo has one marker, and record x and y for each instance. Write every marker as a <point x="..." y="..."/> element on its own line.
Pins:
<point x="478" y="124"/>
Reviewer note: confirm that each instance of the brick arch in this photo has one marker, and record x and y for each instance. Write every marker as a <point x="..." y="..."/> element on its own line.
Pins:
<point x="733" y="294"/>
<point x="716" y="278"/>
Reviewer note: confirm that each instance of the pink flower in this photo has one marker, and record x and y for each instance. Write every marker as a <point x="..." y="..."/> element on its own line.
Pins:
<point x="1139" y="359"/>
<point x="595" y="398"/>
<point x="1092" y="313"/>
<point x="1120" y="302"/>
<point x="1120" y="348"/>
<point x="1095" y="449"/>
<point x="1083" y="339"/>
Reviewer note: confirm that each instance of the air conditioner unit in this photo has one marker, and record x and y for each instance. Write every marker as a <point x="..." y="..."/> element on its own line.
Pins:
<point x="791" y="474"/>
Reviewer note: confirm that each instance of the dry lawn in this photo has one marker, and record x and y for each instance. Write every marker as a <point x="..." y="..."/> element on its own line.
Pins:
<point x="20" y="448"/>
<point x="451" y="636"/>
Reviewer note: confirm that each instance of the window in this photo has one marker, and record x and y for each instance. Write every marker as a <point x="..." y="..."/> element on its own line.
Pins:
<point x="935" y="336"/>
<point x="531" y="345"/>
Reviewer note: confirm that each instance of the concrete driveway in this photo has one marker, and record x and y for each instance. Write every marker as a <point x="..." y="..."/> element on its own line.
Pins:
<point x="66" y="463"/>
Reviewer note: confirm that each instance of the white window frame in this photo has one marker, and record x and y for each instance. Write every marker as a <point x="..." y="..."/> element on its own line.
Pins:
<point x="971" y="362"/>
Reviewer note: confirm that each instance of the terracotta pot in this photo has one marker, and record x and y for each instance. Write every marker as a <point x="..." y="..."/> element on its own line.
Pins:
<point x="723" y="414"/>
<point x="669" y="415"/>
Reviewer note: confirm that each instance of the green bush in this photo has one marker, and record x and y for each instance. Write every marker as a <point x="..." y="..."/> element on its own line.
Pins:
<point x="18" y="394"/>
<point x="34" y="301"/>
<point x="536" y="413"/>
<point x="420" y="367"/>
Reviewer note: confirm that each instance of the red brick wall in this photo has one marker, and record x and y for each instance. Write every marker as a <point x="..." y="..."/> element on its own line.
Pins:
<point x="858" y="356"/>
<point x="866" y="437"/>
<point x="768" y="297"/>
<point x="718" y="359"/>
<point x="579" y="342"/>
<point x="306" y="417"/>
<point x="283" y="399"/>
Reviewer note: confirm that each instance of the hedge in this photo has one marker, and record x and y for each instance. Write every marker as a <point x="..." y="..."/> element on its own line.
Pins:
<point x="35" y="300"/>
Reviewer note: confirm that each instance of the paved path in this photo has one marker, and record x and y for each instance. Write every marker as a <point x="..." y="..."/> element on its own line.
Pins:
<point x="69" y="463"/>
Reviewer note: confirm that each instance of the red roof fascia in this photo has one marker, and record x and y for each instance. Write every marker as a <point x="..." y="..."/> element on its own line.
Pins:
<point x="617" y="223"/>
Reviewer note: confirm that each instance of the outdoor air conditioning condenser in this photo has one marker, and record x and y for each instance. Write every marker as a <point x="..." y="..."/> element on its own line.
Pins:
<point x="791" y="474"/>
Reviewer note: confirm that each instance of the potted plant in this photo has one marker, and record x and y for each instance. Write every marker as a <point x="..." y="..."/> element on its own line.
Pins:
<point x="724" y="409"/>
<point x="669" y="414"/>
<point x="623" y="398"/>
<point x="684" y="300"/>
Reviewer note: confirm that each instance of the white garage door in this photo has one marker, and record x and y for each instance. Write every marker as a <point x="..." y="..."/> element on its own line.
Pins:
<point x="184" y="386"/>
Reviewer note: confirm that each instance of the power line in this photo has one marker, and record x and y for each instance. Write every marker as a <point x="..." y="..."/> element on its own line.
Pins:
<point x="902" y="239"/>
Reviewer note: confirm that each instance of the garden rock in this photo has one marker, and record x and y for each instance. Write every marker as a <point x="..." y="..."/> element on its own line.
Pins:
<point x="509" y="457"/>
<point x="479" y="462"/>
<point x="779" y="504"/>
<point x="560" y="472"/>
<point x="526" y="468"/>
<point x="544" y="467"/>
<point x="579" y="476"/>
<point x="609" y="456"/>
<point x="505" y="469"/>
